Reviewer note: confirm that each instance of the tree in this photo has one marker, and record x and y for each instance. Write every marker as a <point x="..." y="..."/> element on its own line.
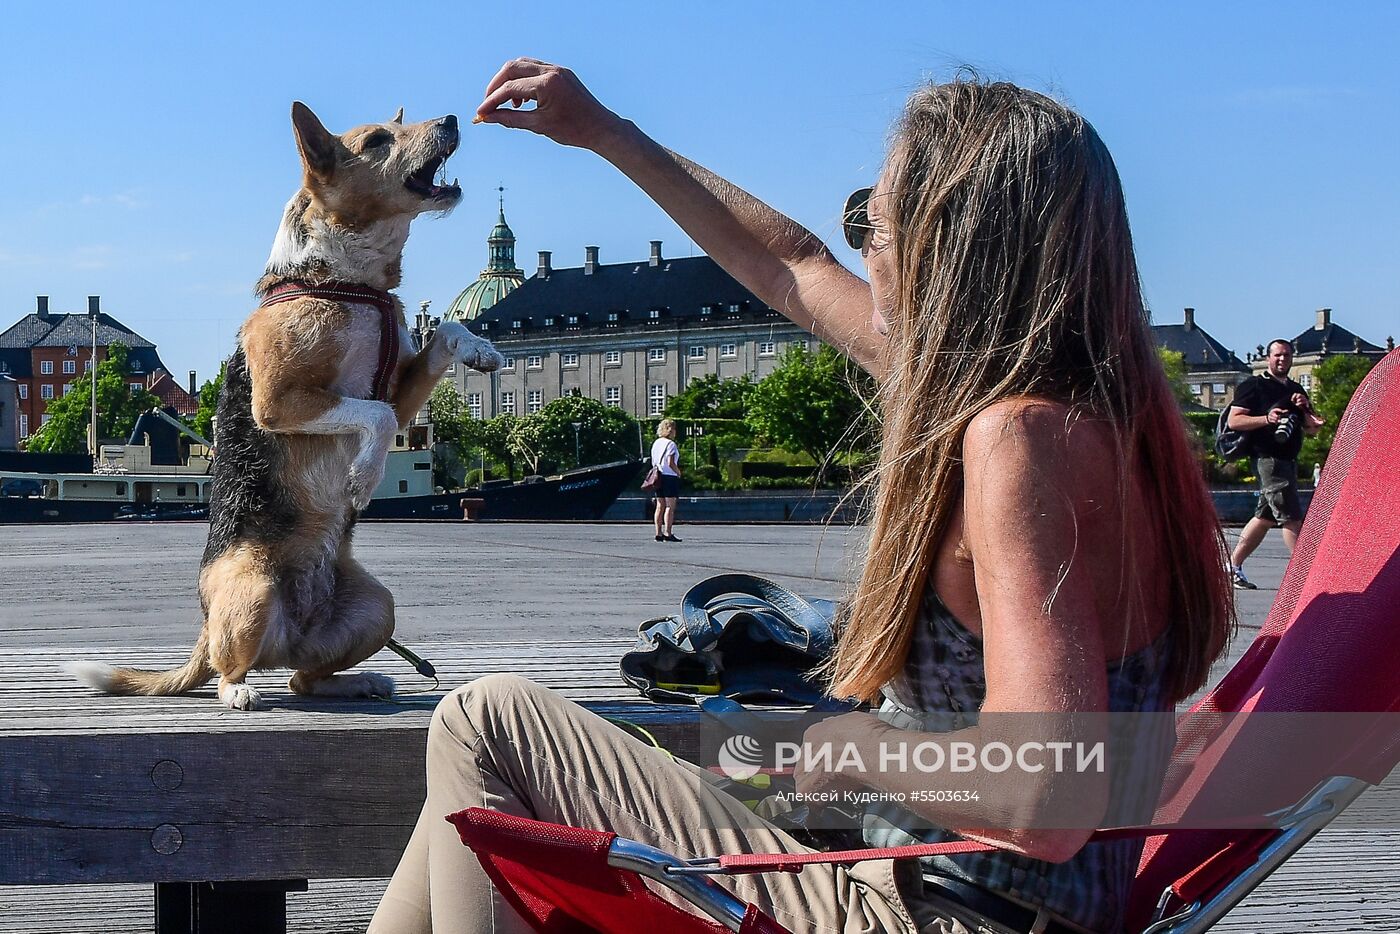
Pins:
<point x="605" y="433"/>
<point x="1174" y="362"/>
<point x="209" y="404"/>
<point x="1334" y="381"/>
<point x="813" y="403"/>
<point x="118" y="407"/>
<point x="711" y="397"/>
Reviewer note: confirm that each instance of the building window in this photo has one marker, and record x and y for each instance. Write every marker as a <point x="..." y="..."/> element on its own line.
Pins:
<point x="612" y="358"/>
<point x="23" y="425"/>
<point x="1196" y="389"/>
<point x="87" y="365"/>
<point x="570" y="360"/>
<point x="656" y="355"/>
<point x="508" y="402"/>
<point x="534" y="362"/>
<point x="572" y="320"/>
<point x="67" y="388"/>
<point x="136" y="387"/>
<point x="1219" y="388"/>
<point x="45" y="419"/>
<point x="549" y="322"/>
<point x="24" y="390"/>
<point x="534" y="401"/>
<point x="734" y="308"/>
<point x="656" y="399"/>
<point x="729" y="351"/>
<point x="136" y="366"/>
<point x="179" y="489"/>
<point x="403" y="486"/>
<point x="45" y="367"/>
<point x="46" y="391"/>
<point x="474" y="404"/>
<point x="575" y="392"/>
<point x="4" y="367"/>
<point x="706" y="309"/>
<point x="767" y="348"/>
<point x="804" y="343"/>
<point x="612" y="316"/>
<point x="517" y="324"/>
<point x="697" y="352"/>
<point x="654" y="313"/>
<point x="612" y="395"/>
<point x="70" y="367"/>
<point x="510" y="364"/>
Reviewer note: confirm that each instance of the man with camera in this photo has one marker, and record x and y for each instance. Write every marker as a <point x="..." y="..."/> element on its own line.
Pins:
<point x="1274" y="412"/>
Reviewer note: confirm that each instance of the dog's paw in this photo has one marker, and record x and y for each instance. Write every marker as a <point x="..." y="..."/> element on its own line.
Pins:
<point x="371" y="684"/>
<point x="361" y="482"/>
<point x="240" y="697"/>
<point x="462" y="346"/>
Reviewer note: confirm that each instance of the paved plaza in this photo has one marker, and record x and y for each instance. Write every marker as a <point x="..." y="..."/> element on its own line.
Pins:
<point x="133" y="585"/>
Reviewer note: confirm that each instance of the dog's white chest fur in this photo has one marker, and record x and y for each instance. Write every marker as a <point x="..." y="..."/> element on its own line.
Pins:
<point x="355" y="379"/>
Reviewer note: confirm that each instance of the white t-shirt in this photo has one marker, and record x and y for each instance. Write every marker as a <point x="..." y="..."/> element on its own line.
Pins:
<point x="663" y="451"/>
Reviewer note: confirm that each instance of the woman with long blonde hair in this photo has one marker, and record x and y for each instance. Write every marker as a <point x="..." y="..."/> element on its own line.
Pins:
<point x="1042" y="543"/>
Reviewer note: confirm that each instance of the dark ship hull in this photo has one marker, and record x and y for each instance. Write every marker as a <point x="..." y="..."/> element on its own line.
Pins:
<point x="582" y="494"/>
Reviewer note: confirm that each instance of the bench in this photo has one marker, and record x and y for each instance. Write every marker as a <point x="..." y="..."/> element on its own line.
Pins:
<point x="225" y="812"/>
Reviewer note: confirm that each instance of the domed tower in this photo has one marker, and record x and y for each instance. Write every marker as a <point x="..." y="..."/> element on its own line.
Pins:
<point x="497" y="280"/>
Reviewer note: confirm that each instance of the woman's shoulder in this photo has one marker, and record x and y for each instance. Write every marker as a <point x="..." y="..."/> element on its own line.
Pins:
<point x="1047" y="431"/>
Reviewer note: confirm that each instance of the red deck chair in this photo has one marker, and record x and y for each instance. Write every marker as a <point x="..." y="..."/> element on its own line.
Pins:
<point x="1330" y="644"/>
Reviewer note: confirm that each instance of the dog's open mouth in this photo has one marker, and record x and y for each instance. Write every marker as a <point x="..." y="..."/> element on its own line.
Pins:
<point x="430" y="180"/>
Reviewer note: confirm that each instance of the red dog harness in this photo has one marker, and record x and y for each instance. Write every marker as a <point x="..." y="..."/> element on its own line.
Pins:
<point x="345" y="292"/>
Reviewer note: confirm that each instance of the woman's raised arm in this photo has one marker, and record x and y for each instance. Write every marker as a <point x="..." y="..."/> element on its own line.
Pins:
<point x="779" y="260"/>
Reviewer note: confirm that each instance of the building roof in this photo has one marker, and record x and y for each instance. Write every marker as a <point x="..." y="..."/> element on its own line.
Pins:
<point x="1199" y="349"/>
<point x="497" y="280"/>
<point x="172" y="394"/>
<point x="59" y="329"/>
<point x="1337" y="339"/>
<point x="694" y="289"/>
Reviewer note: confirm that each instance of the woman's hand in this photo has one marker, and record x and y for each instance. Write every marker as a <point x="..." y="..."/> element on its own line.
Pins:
<point x="857" y="730"/>
<point x="564" y="110"/>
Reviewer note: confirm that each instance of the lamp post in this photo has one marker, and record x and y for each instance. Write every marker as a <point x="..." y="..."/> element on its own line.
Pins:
<point x="93" y="311"/>
<point x="577" y="426"/>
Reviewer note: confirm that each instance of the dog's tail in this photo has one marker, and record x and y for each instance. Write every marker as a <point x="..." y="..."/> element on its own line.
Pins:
<point x="132" y="681"/>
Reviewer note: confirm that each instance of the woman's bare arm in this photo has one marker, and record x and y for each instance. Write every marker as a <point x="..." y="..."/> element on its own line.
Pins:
<point x="780" y="261"/>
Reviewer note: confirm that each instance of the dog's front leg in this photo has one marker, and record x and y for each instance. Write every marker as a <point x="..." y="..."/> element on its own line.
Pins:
<point x="451" y="343"/>
<point x="320" y="412"/>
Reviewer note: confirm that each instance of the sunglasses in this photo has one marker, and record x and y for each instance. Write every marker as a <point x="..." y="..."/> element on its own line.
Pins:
<point x="855" y="219"/>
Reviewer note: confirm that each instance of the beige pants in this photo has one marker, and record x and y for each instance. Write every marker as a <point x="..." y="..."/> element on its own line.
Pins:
<point x="505" y="743"/>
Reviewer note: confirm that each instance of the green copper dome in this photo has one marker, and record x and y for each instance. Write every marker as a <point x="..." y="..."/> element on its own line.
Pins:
<point x="497" y="280"/>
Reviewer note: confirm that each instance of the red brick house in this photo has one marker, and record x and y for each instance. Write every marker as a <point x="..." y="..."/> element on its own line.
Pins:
<point x="45" y="351"/>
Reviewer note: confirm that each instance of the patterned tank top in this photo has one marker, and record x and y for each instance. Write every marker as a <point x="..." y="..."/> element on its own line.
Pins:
<point x="942" y="688"/>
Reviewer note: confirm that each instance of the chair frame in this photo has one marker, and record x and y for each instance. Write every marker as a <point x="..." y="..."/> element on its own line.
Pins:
<point x="691" y="880"/>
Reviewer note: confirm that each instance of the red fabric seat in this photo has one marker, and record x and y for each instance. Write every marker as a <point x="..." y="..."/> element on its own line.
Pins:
<point x="1331" y="643"/>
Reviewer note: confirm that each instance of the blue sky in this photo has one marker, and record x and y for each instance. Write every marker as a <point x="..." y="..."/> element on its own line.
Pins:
<point x="148" y="150"/>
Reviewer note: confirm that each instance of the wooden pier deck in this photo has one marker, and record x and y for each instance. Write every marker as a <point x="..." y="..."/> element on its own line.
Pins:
<point x="544" y="601"/>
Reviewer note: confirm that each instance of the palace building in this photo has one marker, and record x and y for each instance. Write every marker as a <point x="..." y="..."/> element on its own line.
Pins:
<point x="1212" y="371"/>
<point x="1324" y="339"/>
<point x="629" y="334"/>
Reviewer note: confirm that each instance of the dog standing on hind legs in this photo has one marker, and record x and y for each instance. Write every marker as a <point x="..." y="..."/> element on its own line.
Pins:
<point x="323" y="378"/>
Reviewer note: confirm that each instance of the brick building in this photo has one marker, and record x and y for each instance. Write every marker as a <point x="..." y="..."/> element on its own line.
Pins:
<point x="45" y="351"/>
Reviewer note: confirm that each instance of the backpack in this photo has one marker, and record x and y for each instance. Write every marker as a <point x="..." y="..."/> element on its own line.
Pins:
<point x="1230" y="444"/>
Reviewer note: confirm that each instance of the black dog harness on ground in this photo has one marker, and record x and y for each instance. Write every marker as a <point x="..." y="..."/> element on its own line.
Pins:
<point x="345" y="292"/>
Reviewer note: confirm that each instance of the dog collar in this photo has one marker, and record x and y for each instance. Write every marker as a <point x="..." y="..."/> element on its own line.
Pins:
<point x="348" y="292"/>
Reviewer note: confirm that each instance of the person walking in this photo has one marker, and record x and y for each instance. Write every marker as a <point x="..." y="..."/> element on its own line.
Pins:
<point x="666" y="457"/>
<point x="1276" y="412"/>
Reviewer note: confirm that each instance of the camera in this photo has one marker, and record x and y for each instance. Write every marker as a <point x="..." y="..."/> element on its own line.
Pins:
<point x="1285" y="427"/>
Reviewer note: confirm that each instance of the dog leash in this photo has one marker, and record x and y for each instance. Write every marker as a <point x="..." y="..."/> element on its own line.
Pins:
<point x="349" y="292"/>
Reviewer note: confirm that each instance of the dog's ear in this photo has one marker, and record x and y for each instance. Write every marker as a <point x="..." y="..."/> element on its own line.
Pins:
<point x="398" y="117"/>
<point x="317" y="145"/>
